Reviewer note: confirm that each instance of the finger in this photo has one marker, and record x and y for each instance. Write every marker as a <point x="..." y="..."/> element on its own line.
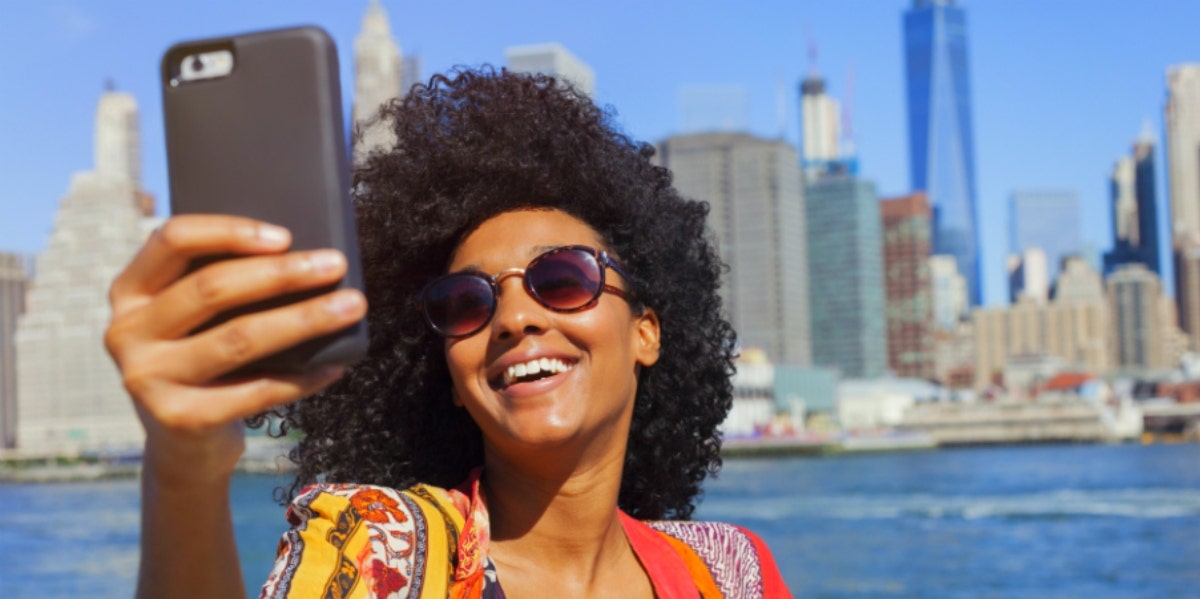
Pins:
<point x="231" y="345"/>
<point x="197" y="410"/>
<point x="198" y="297"/>
<point x="166" y="254"/>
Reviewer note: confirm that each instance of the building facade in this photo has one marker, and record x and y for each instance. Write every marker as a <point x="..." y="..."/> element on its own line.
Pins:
<point x="1182" y="119"/>
<point x="1187" y="289"/>
<point x="69" y="394"/>
<point x="13" y="283"/>
<point x="757" y="214"/>
<point x="845" y="255"/>
<point x="820" y="126"/>
<point x="1029" y="276"/>
<point x="908" y="285"/>
<point x="1078" y="282"/>
<point x="1074" y="326"/>
<point x="1134" y="210"/>
<point x="553" y="60"/>
<point x="377" y="77"/>
<point x="1140" y="314"/>
<point x="941" y="145"/>
<point x="1048" y="220"/>
<point x="950" y="298"/>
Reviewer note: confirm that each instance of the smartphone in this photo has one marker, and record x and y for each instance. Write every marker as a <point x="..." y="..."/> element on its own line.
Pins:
<point x="254" y="128"/>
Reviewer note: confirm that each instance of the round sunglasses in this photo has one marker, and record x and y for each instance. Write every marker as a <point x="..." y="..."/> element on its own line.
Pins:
<point x="564" y="279"/>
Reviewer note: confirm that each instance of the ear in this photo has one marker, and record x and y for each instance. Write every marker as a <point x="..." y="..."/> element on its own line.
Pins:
<point x="647" y="345"/>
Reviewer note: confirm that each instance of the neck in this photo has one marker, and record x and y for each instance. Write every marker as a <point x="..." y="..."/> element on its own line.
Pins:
<point x="550" y="519"/>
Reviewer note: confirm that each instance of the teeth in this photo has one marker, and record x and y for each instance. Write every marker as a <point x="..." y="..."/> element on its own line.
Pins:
<point x="532" y="367"/>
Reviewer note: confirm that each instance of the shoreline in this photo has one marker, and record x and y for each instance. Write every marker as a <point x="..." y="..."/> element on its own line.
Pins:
<point x="816" y="446"/>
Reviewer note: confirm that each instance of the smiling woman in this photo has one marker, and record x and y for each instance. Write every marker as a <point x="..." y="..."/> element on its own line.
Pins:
<point x="547" y="371"/>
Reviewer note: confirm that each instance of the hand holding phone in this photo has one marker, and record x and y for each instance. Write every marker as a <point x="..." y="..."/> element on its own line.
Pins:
<point x="254" y="129"/>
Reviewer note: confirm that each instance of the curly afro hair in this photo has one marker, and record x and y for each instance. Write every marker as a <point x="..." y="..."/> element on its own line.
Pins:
<point x="471" y="145"/>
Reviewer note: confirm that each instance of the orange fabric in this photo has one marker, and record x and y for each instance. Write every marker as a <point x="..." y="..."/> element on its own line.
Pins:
<point x="667" y="570"/>
<point x="700" y="574"/>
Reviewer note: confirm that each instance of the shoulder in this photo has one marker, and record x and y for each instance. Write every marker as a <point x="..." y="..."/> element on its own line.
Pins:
<point x="344" y="535"/>
<point x="739" y="561"/>
<point x="371" y="503"/>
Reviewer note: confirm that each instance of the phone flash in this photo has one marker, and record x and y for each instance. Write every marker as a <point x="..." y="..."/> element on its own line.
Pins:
<point x="204" y="65"/>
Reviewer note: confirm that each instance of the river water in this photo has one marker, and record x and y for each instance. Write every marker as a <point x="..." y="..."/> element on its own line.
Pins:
<point x="1034" y="521"/>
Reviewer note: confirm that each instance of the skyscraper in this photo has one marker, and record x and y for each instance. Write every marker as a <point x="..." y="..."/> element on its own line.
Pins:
<point x="941" y="143"/>
<point x="1134" y="209"/>
<point x="757" y="214"/>
<point x="907" y="241"/>
<point x="376" y="79"/>
<point x="1029" y="276"/>
<point x="68" y="391"/>
<point x="553" y="60"/>
<point x="1078" y="281"/>
<point x="1048" y="220"/>
<point x="845" y="256"/>
<point x="1140" y="312"/>
<point x="950" y="299"/>
<point x="820" y="117"/>
<point x="1182" y="116"/>
<point x="13" y="282"/>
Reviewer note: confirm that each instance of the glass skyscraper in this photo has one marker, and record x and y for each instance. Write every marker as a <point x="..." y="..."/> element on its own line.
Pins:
<point x="941" y="146"/>
<point x="845" y="267"/>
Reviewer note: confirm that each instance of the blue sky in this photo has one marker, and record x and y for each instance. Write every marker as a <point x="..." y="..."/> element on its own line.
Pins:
<point x="1060" y="88"/>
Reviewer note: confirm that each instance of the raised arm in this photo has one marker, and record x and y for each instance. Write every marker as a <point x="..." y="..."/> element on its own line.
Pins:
<point x="193" y="421"/>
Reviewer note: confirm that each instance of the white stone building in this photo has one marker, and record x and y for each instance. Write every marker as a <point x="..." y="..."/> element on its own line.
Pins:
<point x="377" y="77"/>
<point x="69" y="393"/>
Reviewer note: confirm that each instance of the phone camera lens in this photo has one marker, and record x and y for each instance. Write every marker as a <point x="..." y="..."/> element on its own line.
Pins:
<point x="197" y="64"/>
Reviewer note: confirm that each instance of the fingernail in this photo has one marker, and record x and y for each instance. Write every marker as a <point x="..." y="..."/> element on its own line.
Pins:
<point x="327" y="261"/>
<point x="345" y="302"/>
<point x="272" y="234"/>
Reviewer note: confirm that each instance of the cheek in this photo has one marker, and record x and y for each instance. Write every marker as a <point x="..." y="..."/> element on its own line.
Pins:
<point x="462" y="359"/>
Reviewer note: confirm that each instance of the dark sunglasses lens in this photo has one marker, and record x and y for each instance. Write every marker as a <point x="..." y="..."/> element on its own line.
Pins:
<point x="565" y="280"/>
<point x="459" y="305"/>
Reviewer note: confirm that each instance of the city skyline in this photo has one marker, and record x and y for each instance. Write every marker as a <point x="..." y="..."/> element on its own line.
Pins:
<point x="1045" y="112"/>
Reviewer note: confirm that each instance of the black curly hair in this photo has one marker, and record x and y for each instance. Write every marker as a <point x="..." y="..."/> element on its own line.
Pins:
<point x="470" y="145"/>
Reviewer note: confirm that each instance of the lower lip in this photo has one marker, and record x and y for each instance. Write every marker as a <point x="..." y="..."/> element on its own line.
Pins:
<point x="538" y="387"/>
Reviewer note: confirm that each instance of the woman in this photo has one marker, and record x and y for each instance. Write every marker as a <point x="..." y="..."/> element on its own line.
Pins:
<point x="547" y="370"/>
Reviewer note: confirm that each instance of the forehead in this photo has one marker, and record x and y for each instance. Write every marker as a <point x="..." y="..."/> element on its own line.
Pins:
<point x="511" y="239"/>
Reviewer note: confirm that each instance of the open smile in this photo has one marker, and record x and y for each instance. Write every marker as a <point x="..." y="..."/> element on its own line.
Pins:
<point x="530" y="371"/>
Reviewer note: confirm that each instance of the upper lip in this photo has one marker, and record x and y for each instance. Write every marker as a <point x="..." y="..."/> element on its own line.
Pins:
<point x="495" y="374"/>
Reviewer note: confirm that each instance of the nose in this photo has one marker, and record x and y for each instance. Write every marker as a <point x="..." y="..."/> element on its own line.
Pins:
<point x="517" y="313"/>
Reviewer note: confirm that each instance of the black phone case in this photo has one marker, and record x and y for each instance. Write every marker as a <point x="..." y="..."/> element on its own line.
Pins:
<point x="266" y="141"/>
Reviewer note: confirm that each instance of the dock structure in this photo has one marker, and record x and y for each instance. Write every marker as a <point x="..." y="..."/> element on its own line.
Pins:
<point x="993" y="423"/>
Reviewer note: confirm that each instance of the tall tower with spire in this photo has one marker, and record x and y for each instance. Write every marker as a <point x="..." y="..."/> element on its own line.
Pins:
<point x="117" y="140"/>
<point x="69" y="395"/>
<point x="941" y="144"/>
<point x="377" y="76"/>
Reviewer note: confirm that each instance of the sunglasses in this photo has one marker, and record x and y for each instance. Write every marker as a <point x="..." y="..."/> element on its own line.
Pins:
<point x="564" y="279"/>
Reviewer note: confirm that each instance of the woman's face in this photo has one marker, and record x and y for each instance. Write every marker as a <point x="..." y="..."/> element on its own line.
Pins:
<point x="590" y="405"/>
